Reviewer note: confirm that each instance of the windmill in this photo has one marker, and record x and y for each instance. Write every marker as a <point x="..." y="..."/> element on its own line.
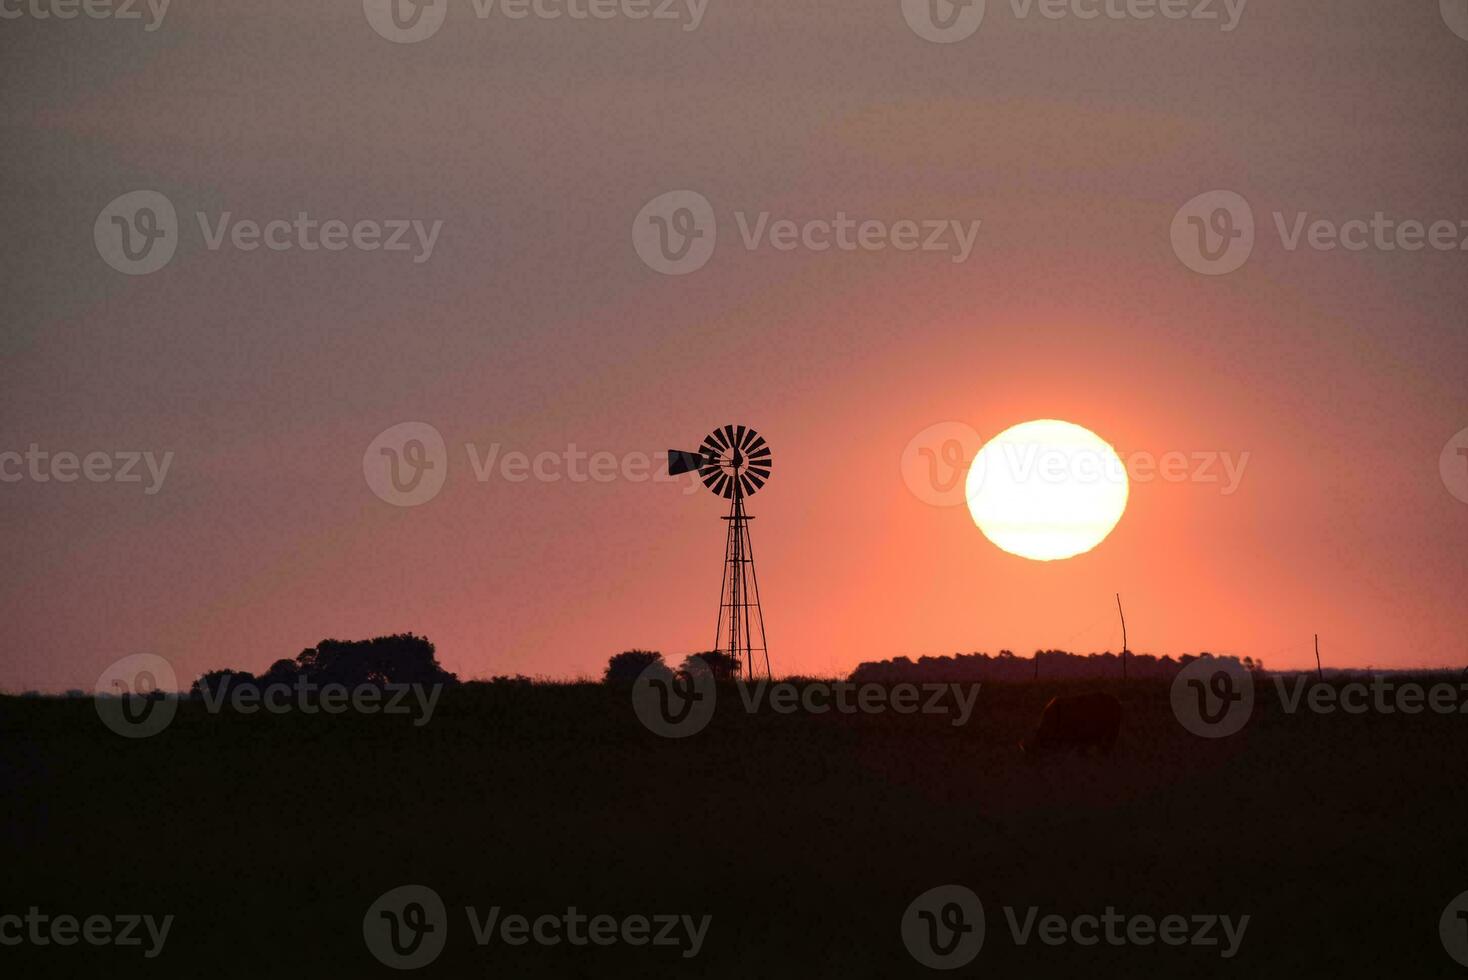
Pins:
<point x="734" y="462"/>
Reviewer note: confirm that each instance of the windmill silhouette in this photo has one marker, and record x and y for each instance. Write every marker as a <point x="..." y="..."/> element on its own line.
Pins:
<point x="734" y="462"/>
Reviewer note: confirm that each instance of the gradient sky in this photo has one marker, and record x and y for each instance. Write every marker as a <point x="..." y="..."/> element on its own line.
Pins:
<point x="535" y="325"/>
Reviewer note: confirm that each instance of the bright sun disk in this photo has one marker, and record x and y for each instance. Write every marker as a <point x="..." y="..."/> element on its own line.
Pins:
<point x="1047" y="490"/>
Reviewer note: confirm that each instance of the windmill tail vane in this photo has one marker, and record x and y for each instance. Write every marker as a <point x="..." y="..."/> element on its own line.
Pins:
<point x="734" y="462"/>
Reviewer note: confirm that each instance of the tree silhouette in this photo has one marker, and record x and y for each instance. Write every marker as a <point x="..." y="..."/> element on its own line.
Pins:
<point x="721" y="665"/>
<point x="1059" y="665"/>
<point x="398" y="659"/>
<point x="283" y="671"/>
<point x="217" y="682"/>
<point x="627" y="666"/>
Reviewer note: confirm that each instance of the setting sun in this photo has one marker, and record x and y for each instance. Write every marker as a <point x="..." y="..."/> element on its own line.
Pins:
<point x="1047" y="490"/>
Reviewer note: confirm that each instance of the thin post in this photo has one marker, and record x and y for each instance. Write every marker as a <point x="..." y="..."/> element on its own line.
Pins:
<point x="1123" y="635"/>
<point x="1319" y="673"/>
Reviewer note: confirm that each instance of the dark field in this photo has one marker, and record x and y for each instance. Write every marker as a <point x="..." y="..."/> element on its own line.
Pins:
<point x="805" y="837"/>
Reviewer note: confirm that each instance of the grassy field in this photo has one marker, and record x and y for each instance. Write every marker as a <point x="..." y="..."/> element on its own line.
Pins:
<point x="805" y="837"/>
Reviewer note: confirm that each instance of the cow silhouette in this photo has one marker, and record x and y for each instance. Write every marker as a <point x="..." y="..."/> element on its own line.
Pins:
<point x="1077" y="721"/>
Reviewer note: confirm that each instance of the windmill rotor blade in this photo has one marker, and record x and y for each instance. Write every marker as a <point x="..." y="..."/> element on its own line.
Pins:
<point x="714" y="464"/>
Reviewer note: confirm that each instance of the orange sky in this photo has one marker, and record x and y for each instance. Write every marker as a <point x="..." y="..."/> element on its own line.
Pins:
<point x="535" y="325"/>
